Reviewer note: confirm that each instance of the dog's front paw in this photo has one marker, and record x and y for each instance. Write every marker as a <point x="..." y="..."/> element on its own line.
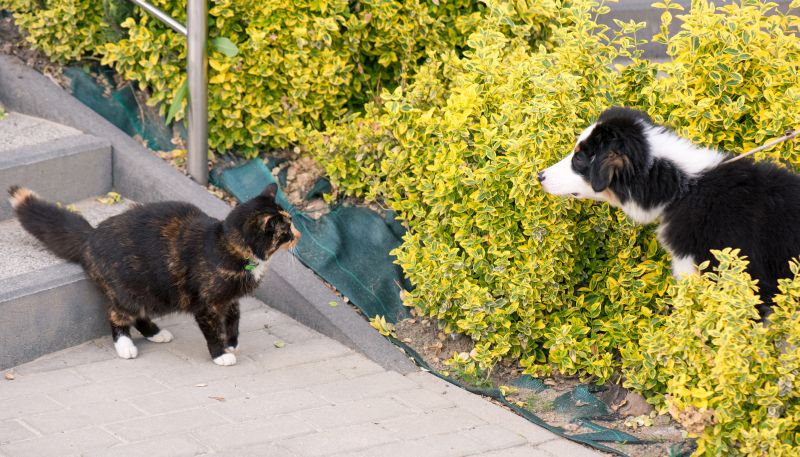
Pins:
<point x="163" y="336"/>
<point x="125" y="348"/>
<point x="226" y="359"/>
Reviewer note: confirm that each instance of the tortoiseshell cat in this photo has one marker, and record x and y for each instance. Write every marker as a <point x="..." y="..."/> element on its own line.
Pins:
<point x="160" y="258"/>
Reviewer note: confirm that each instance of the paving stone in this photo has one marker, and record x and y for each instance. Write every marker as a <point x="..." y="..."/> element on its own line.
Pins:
<point x="246" y="434"/>
<point x="77" y="442"/>
<point x="312" y="397"/>
<point x="20" y="406"/>
<point x="84" y="354"/>
<point x="301" y="353"/>
<point x="432" y="423"/>
<point x="215" y="393"/>
<point x="82" y="416"/>
<point x="519" y="451"/>
<point x="445" y="445"/>
<point x="295" y="377"/>
<point x="493" y="437"/>
<point x="258" y="450"/>
<point x="291" y="332"/>
<point x="113" y="389"/>
<point x="353" y="365"/>
<point x="483" y="408"/>
<point x="423" y="400"/>
<point x="171" y="446"/>
<point x="166" y="424"/>
<point x="268" y="404"/>
<point x="262" y="318"/>
<point x="357" y="412"/>
<point x="563" y="447"/>
<point x="339" y="440"/>
<point x="11" y="430"/>
<point x="115" y="367"/>
<point x="363" y="387"/>
<point x="36" y="384"/>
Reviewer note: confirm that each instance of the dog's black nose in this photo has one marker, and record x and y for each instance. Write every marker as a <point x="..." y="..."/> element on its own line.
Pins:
<point x="540" y="176"/>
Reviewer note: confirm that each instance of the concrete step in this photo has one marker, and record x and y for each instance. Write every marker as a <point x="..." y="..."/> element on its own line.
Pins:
<point x="58" y="162"/>
<point x="46" y="304"/>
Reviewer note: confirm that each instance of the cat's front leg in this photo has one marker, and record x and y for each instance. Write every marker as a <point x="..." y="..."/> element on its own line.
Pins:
<point x="232" y="328"/>
<point x="210" y="323"/>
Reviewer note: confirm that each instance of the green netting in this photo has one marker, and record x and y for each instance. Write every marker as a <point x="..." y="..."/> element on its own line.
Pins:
<point x="119" y="105"/>
<point x="348" y="247"/>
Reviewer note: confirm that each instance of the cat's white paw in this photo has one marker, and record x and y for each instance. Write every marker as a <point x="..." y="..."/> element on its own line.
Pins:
<point x="125" y="348"/>
<point x="232" y="349"/>
<point x="163" y="336"/>
<point x="226" y="359"/>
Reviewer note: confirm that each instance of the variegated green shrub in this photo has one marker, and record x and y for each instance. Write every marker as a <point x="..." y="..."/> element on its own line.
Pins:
<point x="728" y="379"/>
<point x="299" y="65"/>
<point x="64" y="29"/>
<point x="551" y="283"/>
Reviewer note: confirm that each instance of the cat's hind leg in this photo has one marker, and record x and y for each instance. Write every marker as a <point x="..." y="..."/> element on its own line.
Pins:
<point x="121" y="332"/>
<point x="150" y="330"/>
<point x="211" y="324"/>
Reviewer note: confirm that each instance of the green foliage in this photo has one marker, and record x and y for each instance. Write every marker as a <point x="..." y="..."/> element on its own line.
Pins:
<point x="733" y="81"/>
<point x="65" y="30"/>
<point x="725" y="377"/>
<point x="300" y="63"/>
<point x="555" y="284"/>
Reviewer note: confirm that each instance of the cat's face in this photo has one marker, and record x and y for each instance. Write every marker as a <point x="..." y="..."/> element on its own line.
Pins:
<point x="266" y="226"/>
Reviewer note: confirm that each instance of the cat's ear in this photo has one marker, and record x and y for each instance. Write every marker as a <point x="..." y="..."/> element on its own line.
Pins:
<point x="270" y="191"/>
<point x="263" y="221"/>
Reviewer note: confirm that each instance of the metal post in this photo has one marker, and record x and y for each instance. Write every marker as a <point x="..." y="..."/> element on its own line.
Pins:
<point x="197" y="70"/>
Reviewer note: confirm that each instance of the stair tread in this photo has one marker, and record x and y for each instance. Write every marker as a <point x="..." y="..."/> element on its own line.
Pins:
<point x="19" y="130"/>
<point x="22" y="253"/>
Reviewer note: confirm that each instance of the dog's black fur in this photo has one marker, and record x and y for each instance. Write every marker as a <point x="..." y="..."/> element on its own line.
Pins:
<point x="753" y="206"/>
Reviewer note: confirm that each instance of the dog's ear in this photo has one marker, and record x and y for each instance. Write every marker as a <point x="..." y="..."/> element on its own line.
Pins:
<point x="604" y="168"/>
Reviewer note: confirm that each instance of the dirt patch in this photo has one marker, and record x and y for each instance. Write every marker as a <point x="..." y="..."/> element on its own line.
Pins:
<point x="13" y="43"/>
<point x="660" y="432"/>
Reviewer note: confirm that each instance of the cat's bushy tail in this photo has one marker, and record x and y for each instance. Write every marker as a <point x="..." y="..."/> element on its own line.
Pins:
<point x="61" y="231"/>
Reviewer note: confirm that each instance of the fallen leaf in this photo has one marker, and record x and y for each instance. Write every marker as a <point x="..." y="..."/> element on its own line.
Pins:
<point x="441" y="336"/>
<point x="615" y="407"/>
<point x="201" y="385"/>
<point x="111" y="198"/>
<point x="407" y="340"/>
<point x="549" y="382"/>
<point x="216" y="398"/>
<point x="333" y="304"/>
<point x="279" y="344"/>
<point x="580" y="403"/>
<point x="10" y="376"/>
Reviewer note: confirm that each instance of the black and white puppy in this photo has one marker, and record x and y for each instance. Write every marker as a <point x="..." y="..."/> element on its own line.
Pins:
<point x="701" y="201"/>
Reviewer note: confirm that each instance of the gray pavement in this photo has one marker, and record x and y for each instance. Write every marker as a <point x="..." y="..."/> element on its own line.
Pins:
<point x="309" y="396"/>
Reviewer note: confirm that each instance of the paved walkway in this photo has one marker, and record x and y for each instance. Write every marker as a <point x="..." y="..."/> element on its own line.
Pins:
<point x="310" y="397"/>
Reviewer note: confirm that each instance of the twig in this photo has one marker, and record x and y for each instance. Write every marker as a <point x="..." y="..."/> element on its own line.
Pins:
<point x="788" y="136"/>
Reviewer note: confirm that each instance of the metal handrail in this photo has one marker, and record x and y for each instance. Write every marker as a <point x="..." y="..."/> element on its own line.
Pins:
<point x="196" y="33"/>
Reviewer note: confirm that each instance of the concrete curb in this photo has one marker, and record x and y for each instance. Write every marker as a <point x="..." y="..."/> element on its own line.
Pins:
<point x="140" y="176"/>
